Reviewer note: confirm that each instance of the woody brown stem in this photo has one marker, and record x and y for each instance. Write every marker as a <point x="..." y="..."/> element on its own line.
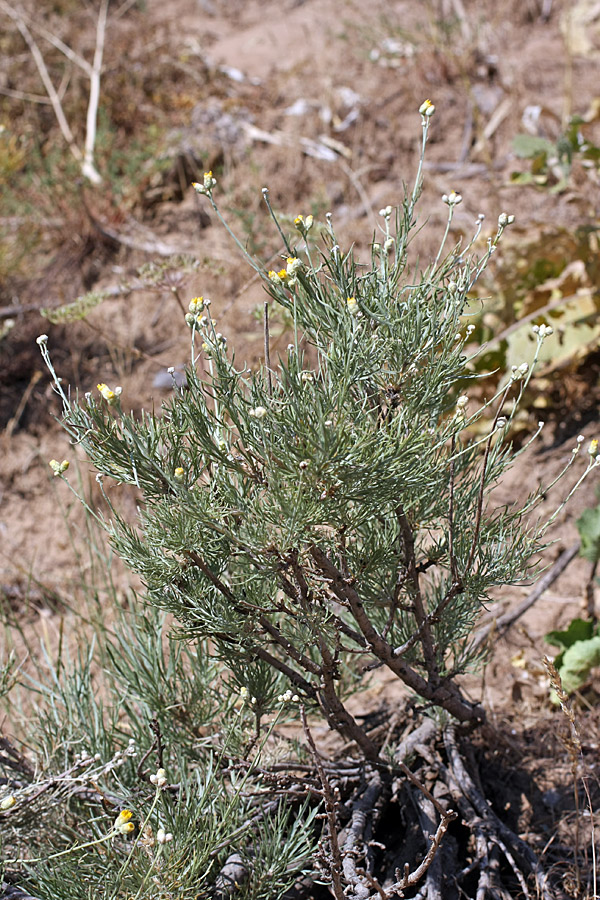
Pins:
<point x="446" y="695"/>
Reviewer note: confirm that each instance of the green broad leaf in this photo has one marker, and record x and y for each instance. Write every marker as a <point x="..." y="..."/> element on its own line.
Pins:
<point x="521" y="178"/>
<point x="529" y="146"/>
<point x="576" y="330"/>
<point x="577" y="662"/>
<point x="588" y="525"/>
<point x="578" y="630"/>
<point x="591" y="152"/>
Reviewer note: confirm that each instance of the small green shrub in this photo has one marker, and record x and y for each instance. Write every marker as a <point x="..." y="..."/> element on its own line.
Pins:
<point x="324" y="515"/>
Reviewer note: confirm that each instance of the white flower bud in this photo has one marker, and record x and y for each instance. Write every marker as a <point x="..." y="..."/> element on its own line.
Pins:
<point x="259" y="412"/>
<point x="160" y="779"/>
<point x="427" y="108"/>
<point x="452" y="199"/>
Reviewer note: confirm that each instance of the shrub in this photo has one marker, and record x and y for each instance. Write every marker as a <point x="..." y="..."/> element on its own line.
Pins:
<point x="302" y="524"/>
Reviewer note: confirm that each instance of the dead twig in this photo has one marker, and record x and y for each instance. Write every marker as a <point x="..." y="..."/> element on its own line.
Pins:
<point x="333" y="859"/>
<point x="427" y="819"/>
<point x="495" y="829"/>
<point x="354" y="844"/>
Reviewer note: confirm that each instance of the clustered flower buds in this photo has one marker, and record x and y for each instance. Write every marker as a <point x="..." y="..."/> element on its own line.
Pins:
<point x="111" y="397"/>
<point x="163" y="837"/>
<point x="292" y="268"/>
<point x="160" y="779"/>
<point x="543" y="331"/>
<point x="288" y="697"/>
<point x="278" y="277"/>
<point x="519" y="372"/>
<point x="504" y="220"/>
<point x="194" y="317"/>
<point x="207" y="184"/>
<point x="452" y="199"/>
<point x="303" y="225"/>
<point x="58" y="467"/>
<point x="123" y="823"/>
<point x="427" y="108"/>
<point x="259" y="412"/>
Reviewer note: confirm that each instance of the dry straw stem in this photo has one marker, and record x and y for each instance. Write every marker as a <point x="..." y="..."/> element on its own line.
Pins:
<point x="572" y="744"/>
<point x="93" y="71"/>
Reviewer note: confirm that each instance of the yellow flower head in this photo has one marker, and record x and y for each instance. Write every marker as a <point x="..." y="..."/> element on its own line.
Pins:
<point x="206" y="185"/>
<point x="123" y="823"/>
<point x="111" y="397"/>
<point x="277" y="277"/>
<point x="427" y="108"/>
<point x="303" y="224"/>
<point x="593" y="448"/>
<point x="58" y="467"/>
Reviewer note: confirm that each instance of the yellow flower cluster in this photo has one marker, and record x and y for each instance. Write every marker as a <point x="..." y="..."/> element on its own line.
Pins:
<point x="286" y="276"/>
<point x="427" y="108"/>
<point x="123" y="823"/>
<point x="111" y="397"/>
<point x="207" y="184"/>
<point x="303" y="224"/>
<point x="58" y="467"/>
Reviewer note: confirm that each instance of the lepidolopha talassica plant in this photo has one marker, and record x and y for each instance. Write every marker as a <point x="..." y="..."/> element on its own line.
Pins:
<point x="329" y="512"/>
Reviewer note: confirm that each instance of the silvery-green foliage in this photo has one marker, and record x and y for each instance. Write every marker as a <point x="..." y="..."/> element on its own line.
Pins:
<point x="298" y="525"/>
<point x="335" y="501"/>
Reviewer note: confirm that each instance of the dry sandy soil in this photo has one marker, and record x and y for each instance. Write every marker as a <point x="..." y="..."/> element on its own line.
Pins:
<point x="318" y="100"/>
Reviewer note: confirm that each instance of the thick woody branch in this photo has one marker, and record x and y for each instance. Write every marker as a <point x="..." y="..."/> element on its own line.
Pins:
<point x="307" y="664"/>
<point x="408" y="539"/>
<point x="447" y="695"/>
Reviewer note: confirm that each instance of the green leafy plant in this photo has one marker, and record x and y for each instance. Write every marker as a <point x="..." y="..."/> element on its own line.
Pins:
<point x="300" y="525"/>
<point x="579" y="644"/>
<point x="551" y="161"/>
<point x="579" y="652"/>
